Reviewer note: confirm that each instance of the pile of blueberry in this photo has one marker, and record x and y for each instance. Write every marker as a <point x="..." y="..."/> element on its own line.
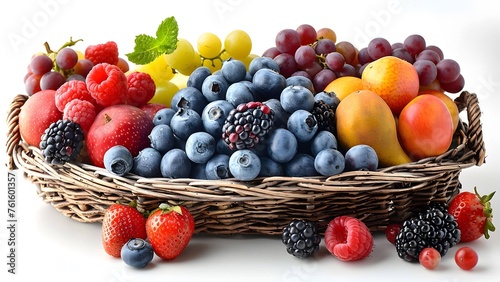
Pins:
<point x="244" y="124"/>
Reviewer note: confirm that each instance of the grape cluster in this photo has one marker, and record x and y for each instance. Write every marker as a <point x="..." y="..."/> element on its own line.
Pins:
<point x="52" y="69"/>
<point x="433" y="69"/>
<point x="315" y="54"/>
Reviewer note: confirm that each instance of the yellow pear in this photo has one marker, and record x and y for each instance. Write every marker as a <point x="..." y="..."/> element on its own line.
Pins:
<point x="364" y="117"/>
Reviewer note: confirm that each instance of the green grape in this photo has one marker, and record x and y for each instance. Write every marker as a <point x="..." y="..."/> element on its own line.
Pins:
<point x="195" y="63"/>
<point x="158" y="69"/>
<point x="209" y="45"/>
<point x="165" y="90"/>
<point x="182" y="57"/>
<point x="238" y="44"/>
<point x="248" y="59"/>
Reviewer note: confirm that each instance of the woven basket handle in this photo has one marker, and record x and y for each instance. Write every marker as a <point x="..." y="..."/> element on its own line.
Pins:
<point x="466" y="100"/>
<point x="475" y="142"/>
<point x="13" y="135"/>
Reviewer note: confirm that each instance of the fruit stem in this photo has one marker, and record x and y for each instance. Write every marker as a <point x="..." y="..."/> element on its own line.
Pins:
<point x="107" y="118"/>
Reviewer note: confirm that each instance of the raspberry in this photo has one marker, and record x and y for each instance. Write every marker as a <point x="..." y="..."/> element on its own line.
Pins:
<point x="80" y="111"/>
<point x="141" y="88"/>
<point x="107" y="84"/>
<point x="70" y="90"/>
<point x="348" y="238"/>
<point x="102" y="53"/>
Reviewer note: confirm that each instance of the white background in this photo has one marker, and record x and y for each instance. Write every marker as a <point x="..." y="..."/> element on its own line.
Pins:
<point x="51" y="246"/>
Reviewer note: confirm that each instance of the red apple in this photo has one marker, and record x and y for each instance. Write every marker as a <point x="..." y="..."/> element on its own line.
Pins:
<point x="36" y="115"/>
<point x="121" y="124"/>
<point x="152" y="108"/>
<point x="425" y="127"/>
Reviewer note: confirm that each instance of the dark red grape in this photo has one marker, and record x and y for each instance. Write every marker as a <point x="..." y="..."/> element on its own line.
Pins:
<point x="52" y="80"/>
<point x="379" y="47"/>
<point x="41" y="64"/>
<point x="448" y="70"/>
<point x="288" y="41"/>
<point x="322" y="79"/>
<point x="415" y="44"/>
<point x="430" y="55"/>
<point x="335" y="61"/>
<point x="307" y="34"/>
<point x="305" y="56"/>
<point x="287" y="64"/>
<point x="66" y="58"/>
<point x="454" y="86"/>
<point x="325" y="46"/>
<point x="426" y="70"/>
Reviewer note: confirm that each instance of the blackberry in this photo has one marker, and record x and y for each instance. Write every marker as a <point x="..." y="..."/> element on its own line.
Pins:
<point x="61" y="142"/>
<point x="325" y="116"/>
<point x="434" y="227"/>
<point x="247" y="125"/>
<point x="301" y="238"/>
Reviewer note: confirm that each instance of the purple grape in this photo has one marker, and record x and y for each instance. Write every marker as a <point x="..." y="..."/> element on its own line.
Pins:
<point x="322" y="79"/>
<point x="41" y="64"/>
<point x="288" y="41"/>
<point x="325" y="46"/>
<point x="414" y="44"/>
<point x="455" y="86"/>
<point x="32" y="84"/>
<point x="52" y="80"/>
<point x="66" y="58"/>
<point x="379" y="47"/>
<point x="335" y="61"/>
<point x="83" y="67"/>
<point x="403" y="54"/>
<point x="305" y="56"/>
<point x="307" y="34"/>
<point x="448" y="70"/>
<point x="286" y="63"/>
<point x="437" y="50"/>
<point x="430" y="55"/>
<point x="271" y="52"/>
<point x="364" y="57"/>
<point x="427" y="71"/>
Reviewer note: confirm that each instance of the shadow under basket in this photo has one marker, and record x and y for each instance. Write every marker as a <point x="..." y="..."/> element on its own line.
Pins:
<point x="264" y="205"/>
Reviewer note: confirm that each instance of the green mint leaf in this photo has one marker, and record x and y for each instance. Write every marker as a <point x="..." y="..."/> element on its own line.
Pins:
<point x="147" y="48"/>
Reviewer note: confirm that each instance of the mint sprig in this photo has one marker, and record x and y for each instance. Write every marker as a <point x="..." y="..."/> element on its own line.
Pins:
<point x="147" y="48"/>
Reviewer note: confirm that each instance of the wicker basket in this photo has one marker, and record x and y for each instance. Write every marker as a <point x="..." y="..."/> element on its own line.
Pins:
<point x="263" y="206"/>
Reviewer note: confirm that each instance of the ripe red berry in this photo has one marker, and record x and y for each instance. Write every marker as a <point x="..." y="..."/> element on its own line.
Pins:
<point x="70" y="90"/>
<point x="141" y="88"/>
<point x="392" y="231"/>
<point x="80" y="111"/>
<point x="102" y="53"/>
<point x="466" y="258"/>
<point x="107" y="84"/>
<point x="348" y="238"/>
<point x="429" y="258"/>
<point x="120" y="224"/>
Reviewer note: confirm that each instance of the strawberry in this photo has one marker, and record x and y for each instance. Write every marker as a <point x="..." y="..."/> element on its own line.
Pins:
<point x="473" y="214"/>
<point x="169" y="229"/>
<point x="120" y="224"/>
<point x="348" y="238"/>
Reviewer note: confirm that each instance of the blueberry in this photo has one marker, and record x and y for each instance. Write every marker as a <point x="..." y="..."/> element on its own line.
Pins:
<point x="221" y="147"/>
<point x="244" y="165"/>
<point x="329" y="162"/>
<point x="185" y="122"/>
<point x="330" y="98"/>
<point x="175" y="164"/>
<point x="268" y="84"/>
<point x="239" y="93"/>
<point x="280" y="115"/>
<point x="301" y="165"/>
<point x="323" y="140"/>
<point x="162" y="138"/>
<point x="270" y="168"/>
<point x="147" y="163"/>
<point x="282" y="145"/>
<point x="189" y="98"/>
<point x="233" y="70"/>
<point x="214" y="87"/>
<point x="300" y="80"/>
<point x="214" y="115"/>
<point x="296" y="97"/>
<point x="197" y="77"/>
<point x="262" y="63"/>
<point x="163" y="116"/>
<point x="218" y="167"/>
<point x="303" y="125"/>
<point x="137" y="252"/>
<point x="361" y="157"/>
<point x="118" y="160"/>
<point x="200" y="147"/>
<point x="198" y="171"/>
